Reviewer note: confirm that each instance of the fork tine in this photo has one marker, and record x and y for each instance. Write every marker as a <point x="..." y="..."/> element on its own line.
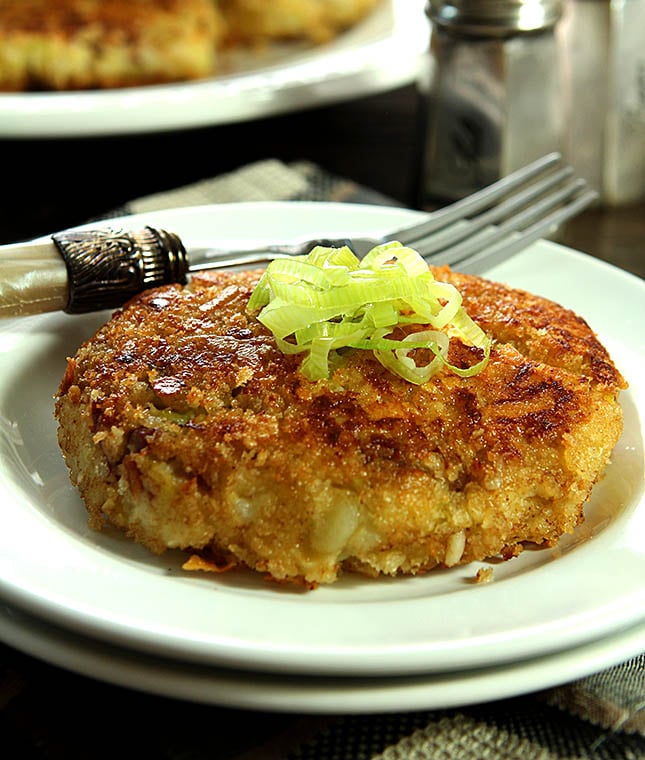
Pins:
<point x="457" y="238"/>
<point x="463" y="229"/>
<point x="491" y="233"/>
<point x="478" y="201"/>
<point x="478" y="258"/>
<point x="447" y="226"/>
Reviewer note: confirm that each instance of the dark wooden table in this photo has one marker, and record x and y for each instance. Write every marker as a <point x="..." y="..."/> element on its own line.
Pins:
<point x="49" y="713"/>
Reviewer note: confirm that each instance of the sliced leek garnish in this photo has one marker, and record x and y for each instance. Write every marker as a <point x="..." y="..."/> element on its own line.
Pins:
<point x="329" y="300"/>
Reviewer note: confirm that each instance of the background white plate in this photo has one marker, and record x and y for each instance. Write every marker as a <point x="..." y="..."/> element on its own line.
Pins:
<point x="262" y="691"/>
<point x="382" y="52"/>
<point x="103" y="585"/>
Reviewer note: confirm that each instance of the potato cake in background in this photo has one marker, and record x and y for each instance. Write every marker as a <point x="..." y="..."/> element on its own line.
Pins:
<point x="99" y="44"/>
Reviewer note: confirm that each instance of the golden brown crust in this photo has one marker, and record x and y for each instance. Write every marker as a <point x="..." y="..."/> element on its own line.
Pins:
<point x="257" y="21"/>
<point x="537" y="328"/>
<point x="68" y="17"/>
<point x="82" y="44"/>
<point x="184" y="425"/>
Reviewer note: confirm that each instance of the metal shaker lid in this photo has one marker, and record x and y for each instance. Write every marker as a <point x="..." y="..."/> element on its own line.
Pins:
<point x="494" y="17"/>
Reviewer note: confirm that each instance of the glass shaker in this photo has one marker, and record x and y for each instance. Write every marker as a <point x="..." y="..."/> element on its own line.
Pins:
<point x="490" y="96"/>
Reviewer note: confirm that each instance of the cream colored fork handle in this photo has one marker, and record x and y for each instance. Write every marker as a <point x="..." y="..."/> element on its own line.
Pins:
<point x="34" y="280"/>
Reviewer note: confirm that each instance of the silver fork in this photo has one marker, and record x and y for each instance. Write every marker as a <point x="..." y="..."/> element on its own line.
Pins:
<point x="471" y="235"/>
<point x="79" y="271"/>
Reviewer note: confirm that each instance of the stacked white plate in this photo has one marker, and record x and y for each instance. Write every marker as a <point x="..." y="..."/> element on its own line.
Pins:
<point x="103" y="606"/>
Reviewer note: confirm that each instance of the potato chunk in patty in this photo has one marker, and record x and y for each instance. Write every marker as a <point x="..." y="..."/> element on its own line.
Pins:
<point x="183" y="425"/>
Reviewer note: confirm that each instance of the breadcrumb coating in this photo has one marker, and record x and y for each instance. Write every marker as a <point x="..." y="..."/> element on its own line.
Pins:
<point x="183" y="425"/>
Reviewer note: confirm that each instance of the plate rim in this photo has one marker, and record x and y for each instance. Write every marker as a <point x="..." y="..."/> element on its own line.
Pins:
<point x="293" y="694"/>
<point x="405" y="660"/>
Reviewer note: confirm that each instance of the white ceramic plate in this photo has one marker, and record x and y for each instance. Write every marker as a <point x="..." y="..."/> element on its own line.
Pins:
<point x="262" y="691"/>
<point x="104" y="586"/>
<point x="382" y="52"/>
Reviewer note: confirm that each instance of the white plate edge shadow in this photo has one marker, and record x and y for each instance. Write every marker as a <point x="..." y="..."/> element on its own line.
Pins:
<point x="378" y="660"/>
<point x="293" y="694"/>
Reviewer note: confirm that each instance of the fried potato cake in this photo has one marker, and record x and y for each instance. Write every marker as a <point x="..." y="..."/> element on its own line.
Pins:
<point x="183" y="425"/>
<point x="257" y="21"/>
<point x="88" y="44"/>
<point x="100" y="44"/>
